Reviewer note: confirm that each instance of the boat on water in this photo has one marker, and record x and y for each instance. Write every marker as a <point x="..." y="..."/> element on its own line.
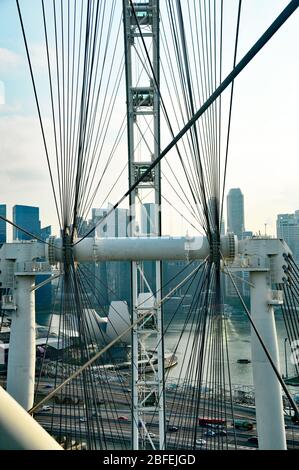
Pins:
<point x="294" y="381"/>
<point x="147" y="363"/>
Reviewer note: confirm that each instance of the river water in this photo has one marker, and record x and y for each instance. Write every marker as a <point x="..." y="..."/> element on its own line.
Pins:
<point x="239" y="345"/>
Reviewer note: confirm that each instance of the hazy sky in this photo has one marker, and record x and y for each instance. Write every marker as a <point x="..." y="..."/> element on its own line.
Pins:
<point x="263" y="159"/>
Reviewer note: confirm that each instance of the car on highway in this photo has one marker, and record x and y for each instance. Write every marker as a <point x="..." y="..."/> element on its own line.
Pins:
<point x="200" y="442"/>
<point x="82" y="419"/>
<point x="205" y="421"/>
<point x="151" y="434"/>
<point x="48" y="386"/>
<point x="210" y="433"/>
<point x="123" y="418"/>
<point x="242" y="424"/>
<point x="214" y="426"/>
<point x="46" y="408"/>
<point x="253" y="440"/>
<point x="172" y="429"/>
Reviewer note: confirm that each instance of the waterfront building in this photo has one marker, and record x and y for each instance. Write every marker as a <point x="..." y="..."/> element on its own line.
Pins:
<point x="26" y="217"/>
<point x="235" y="212"/>
<point x="45" y="232"/>
<point x="287" y="227"/>
<point x="2" y="224"/>
<point x="112" y="278"/>
<point x="236" y="224"/>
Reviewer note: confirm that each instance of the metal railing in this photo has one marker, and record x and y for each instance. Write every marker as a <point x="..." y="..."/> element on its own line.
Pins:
<point x="33" y="267"/>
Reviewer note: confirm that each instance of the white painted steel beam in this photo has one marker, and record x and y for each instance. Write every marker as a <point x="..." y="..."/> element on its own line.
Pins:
<point x="19" y="431"/>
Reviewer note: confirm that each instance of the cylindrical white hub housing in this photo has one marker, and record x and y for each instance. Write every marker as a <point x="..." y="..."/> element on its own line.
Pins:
<point x="268" y="392"/>
<point x="142" y="249"/>
<point x="21" y="356"/>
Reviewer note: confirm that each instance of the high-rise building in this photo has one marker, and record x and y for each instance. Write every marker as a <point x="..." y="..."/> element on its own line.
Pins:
<point x="247" y="234"/>
<point x="26" y="217"/>
<point x="114" y="225"/>
<point x="149" y="219"/>
<point x="236" y="224"/>
<point x="2" y="224"/>
<point x="148" y="228"/>
<point x="287" y="227"/>
<point x="112" y="277"/>
<point x="235" y="212"/>
<point x="45" y="232"/>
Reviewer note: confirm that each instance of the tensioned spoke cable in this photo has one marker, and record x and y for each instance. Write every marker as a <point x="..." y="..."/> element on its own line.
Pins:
<point x="90" y="333"/>
<point x="184" y="75"/>
<point x="275" y="370"/>
<point x="230" y="108"/>
<point x="256" y="48"/>
<point x="74" y="122"/>
<point x="103" y="124"/>
<point x="203" y="138"/>
<point x="194" y="134"/>
<point x="108" y="346"/>
<point x="181" y="214"/>
<point x="38" y="110"/>
<point x="161" y="99"/>
<point x="103" y="136"/>
<point x="52" y="104"/>
<point x="90" y="199"/>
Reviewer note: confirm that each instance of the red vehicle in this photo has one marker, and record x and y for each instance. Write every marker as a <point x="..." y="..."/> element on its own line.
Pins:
<point x="123" y="418"/>
<point x="218" y="421"/>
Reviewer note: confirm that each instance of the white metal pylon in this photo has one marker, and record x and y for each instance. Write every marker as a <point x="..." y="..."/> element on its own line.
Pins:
<point x="141" y="28"/>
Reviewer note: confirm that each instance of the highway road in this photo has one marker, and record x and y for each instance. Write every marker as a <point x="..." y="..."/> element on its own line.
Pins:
<point x="65" y="420"/>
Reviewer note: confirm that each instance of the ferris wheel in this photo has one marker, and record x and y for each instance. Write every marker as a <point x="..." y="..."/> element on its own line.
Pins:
<point x="135" y="107"/>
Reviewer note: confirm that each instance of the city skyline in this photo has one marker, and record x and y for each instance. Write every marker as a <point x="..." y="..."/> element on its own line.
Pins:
<point x="283" y="222"/>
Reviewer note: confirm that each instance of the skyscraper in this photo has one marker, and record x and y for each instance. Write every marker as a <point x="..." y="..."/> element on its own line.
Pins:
<point x="287" y="227"/>
<point x="115" y="224"/>
<point x="235" y="224"/>
<point x="235" y="212"/>
<point x="114" y="275"/>
<point x="45" y="232"/>
<point x="149" y="219"/>
<point x="2" y="224"/>
<point x="214" y="210"/>
<point x="26" y="217"/>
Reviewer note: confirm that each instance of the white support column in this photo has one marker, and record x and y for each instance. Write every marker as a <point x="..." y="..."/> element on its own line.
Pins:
<point x="21" y="357"/>
<point x="18" y="430"/>
<point x="134" y="360"/>
<point x="160" y="350"/>
<point x="268" y="393"/>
